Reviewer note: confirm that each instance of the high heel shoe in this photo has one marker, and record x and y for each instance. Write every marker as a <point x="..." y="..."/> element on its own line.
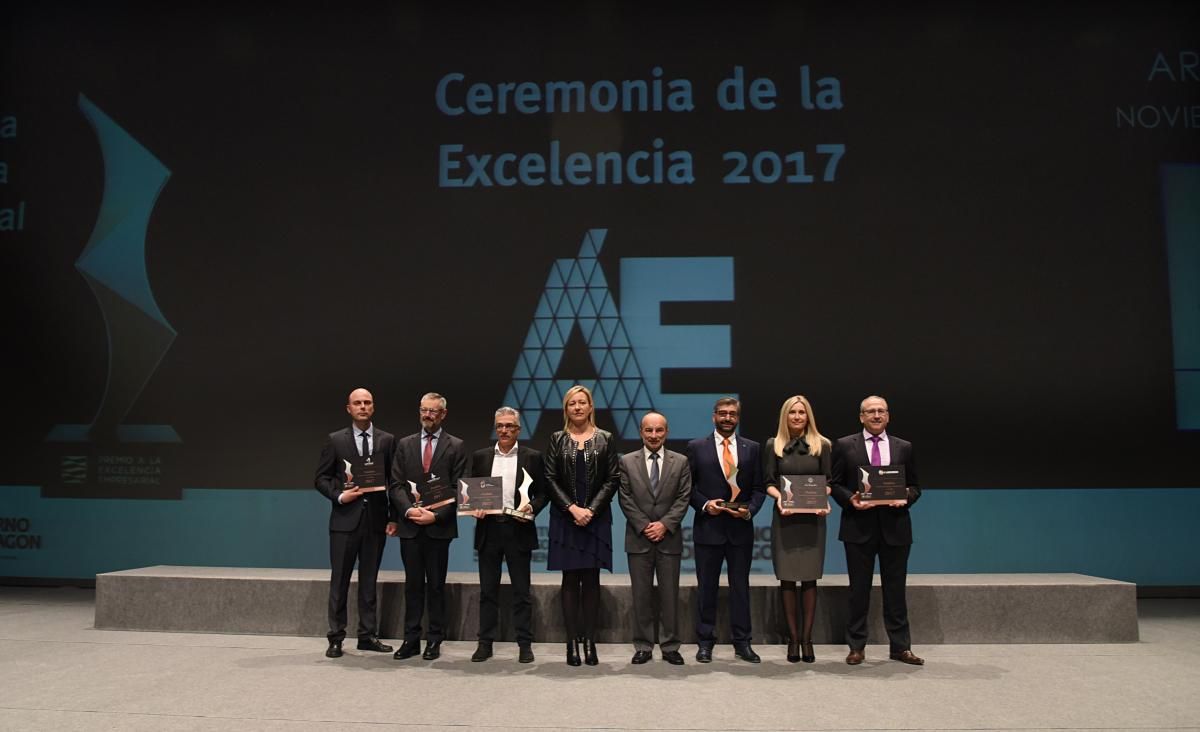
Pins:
<point x="572" y="652"/>
<point x="806" y="649"/>
<point x="589" y="651"/>
<point x="793" y="651"/>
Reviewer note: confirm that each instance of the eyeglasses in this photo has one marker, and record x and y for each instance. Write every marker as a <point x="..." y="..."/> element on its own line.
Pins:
<point x="505" y="427"/>
<point x="726" y="413"/>
<point x="874" y="412"/>
<point x="423" y="410"/>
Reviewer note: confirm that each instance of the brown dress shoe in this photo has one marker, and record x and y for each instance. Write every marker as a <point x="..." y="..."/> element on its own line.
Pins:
<point x="908" y="657"/>
<point x="855" y="657"/>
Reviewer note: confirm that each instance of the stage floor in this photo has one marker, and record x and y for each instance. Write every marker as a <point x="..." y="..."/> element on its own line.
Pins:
<point x="58" y="673"/>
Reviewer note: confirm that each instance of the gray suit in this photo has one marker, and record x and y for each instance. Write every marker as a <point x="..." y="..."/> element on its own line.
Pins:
<point x="643" y="506"/>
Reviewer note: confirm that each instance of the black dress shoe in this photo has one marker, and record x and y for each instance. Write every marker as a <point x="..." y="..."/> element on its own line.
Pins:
<point x="704" y="654"/>
<point x="408" y="649"/>
<point x="589" y="652"/>
<point x="673" y="657"/>
<point x="908" y="657"/>
<point x="806" y="652"/>
<point x="334" y="650"/>
<point x="371" y="643"/>
<point x="483" y="652"/>
<point x="746" y="653"/>
<point x="525" y="655"/>
<point x="433" y="649"/>
<point x="642" y="657"/>
<point x="573" y="653"/>
<point x="793" y="652"/>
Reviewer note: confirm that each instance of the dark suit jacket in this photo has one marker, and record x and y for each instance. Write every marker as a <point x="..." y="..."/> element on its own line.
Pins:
<point x="449" y="463"/>
<point x="708" y="483"/>
<point x="893" y="525"/>
<point x="330" y="481"/>
<point x="531" y="461"/>
<point x="642" y="508"/>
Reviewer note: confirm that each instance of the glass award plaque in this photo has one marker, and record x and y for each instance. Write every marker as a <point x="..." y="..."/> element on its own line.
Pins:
<point x="364" y="474"/>
<point x="803" y="493"/>
<point x="882" y="485"/>
<point x="522" y="498"/>
<point x="481" y="494"/>
<point x="434" y="493"/>
<point x="732" y="503"/>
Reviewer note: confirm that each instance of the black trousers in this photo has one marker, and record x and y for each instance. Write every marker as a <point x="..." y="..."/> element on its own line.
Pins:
<point x="345" y="547"/>
<point x="501" y="545"/>
<point x="709" y="558"/>
<point x="425" y="563"/>
<point x="893" y="575"/>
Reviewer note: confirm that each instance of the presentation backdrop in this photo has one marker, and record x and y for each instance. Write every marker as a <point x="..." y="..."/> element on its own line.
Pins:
<point x="218" y="220"/>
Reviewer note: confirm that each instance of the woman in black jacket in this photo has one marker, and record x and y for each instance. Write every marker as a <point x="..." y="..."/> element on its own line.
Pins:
<point x="582" y="472"/>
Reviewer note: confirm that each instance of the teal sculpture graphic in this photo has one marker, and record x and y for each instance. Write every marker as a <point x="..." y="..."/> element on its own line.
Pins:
<point x="114" y="265"/>
<point x="577" y="296"/>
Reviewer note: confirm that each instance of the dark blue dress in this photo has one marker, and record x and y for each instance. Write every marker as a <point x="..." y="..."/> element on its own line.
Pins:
<point x="580" y="547"/>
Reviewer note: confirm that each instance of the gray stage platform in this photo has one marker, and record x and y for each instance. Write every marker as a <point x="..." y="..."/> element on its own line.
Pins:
<point x="960" y="608"/>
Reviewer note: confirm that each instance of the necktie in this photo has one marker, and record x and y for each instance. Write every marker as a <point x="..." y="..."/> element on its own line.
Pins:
<point x="366" y="447"/>
<point x="727" y="457"/>
<point x="654" y="473"/>
<point x="427" y="458"/>
<point x="876" y="459"/>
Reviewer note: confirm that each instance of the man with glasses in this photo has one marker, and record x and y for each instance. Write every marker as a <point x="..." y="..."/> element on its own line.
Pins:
<point x="504" y="538"/>
<point x="870" y="531"/>
<point x="425" y="534"/>
<point x="726" y="470"/>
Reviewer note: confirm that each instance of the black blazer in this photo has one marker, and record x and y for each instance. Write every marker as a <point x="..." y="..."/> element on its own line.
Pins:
<point x="893" y="525"/>
<point x="531" y="461"/>
<point x="709" y="483"/>
<point x="330" y="481"/>
<point x="603" y="469"/>
<point x="449" y="463"/>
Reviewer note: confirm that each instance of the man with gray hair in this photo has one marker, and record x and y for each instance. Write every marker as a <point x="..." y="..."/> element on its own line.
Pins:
<point x="425" y="534"/>
<point x="505" y="537"/>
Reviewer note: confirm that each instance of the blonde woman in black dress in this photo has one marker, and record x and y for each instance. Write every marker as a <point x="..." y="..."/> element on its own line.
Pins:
<point x="582" y="474"/>
<point x="797" y="539"/>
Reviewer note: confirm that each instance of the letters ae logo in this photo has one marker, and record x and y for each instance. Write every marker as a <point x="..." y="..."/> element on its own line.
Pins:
<point x="626" y="340"/>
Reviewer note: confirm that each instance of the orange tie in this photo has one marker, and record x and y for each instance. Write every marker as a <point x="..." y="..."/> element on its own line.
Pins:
<point x="727" y="458"/>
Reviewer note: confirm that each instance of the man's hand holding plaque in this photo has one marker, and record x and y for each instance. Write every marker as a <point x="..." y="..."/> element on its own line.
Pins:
<point x="880" y="485"/>
<point x="435" y="493"/>
<point x="732" y="505"/>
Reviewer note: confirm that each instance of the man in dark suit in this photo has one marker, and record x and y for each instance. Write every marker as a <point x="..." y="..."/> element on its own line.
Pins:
<point x="725" y="467"/>
<point x="504" y="538"/>
<point x="359" y="519"/>
<point x="425" y="534"/>
<point x="868" y="531"/>
<point x="656" y="484"/>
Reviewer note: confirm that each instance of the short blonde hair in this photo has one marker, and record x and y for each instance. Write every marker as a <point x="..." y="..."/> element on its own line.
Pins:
<point x="579" y="389"/>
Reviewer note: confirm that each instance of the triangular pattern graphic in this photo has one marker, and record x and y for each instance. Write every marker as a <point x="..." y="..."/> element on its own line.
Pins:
<point x="577" y="295"/>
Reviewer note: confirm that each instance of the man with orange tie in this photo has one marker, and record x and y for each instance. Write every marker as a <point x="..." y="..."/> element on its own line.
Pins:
<point x="726" y="469"/>
<point x="870" y="531"/>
